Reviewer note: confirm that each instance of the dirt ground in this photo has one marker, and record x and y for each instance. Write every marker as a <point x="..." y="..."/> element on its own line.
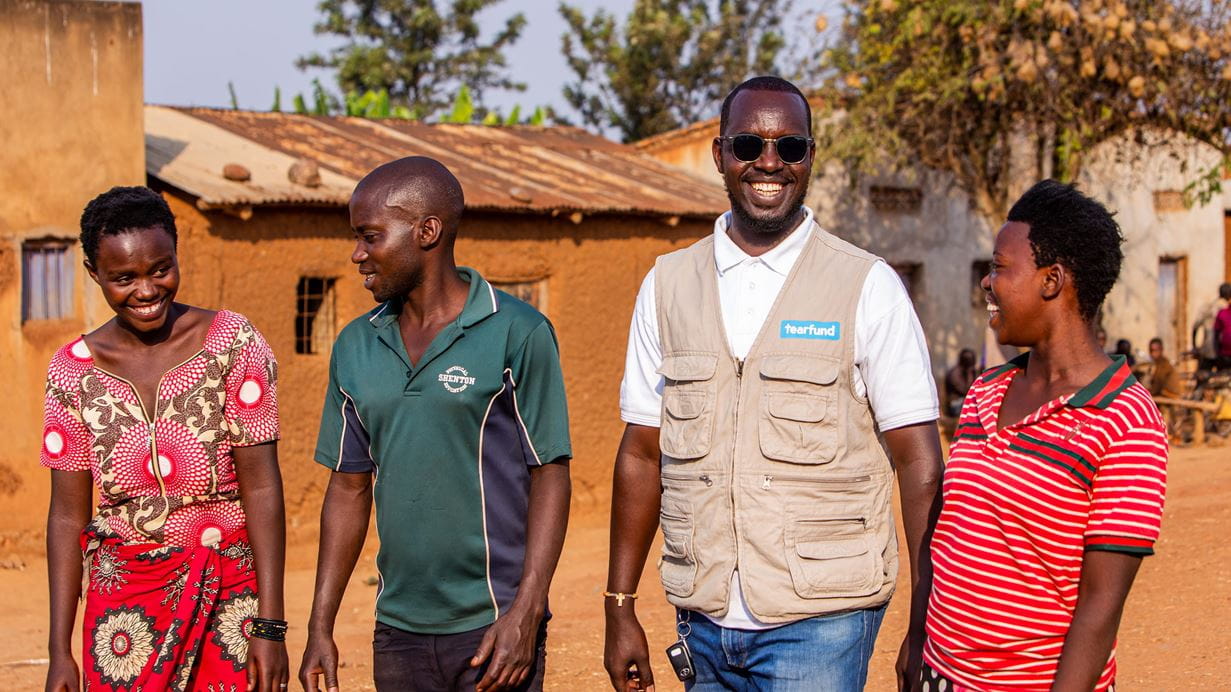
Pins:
<point x="1174" y="635"/>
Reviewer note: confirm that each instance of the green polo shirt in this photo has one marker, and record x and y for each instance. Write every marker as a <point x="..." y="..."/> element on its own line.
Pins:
<point x="451" y="440"/>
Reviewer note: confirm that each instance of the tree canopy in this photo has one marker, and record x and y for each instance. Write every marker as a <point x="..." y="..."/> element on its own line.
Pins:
<point x="669" y="62"/>
<point x="415" y="52"/>
<point x="965" y="86"/>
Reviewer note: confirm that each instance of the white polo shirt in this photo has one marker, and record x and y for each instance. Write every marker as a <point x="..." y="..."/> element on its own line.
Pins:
<point x="892" y="367"/>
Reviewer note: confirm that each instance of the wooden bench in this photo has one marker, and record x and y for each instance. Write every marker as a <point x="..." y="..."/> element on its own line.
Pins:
<point x="1199" y="409"/>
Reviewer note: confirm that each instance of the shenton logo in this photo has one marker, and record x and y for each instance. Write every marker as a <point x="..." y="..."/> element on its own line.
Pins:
<point x="455" y="379"/>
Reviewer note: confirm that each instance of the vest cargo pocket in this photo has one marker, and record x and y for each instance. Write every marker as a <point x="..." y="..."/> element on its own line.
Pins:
<point x="678" y="565"/>
<point x="794" y="427"/>
<point x="688" y="404"/>
<point x="833" y="559"/>
<point x="798" y="417"/>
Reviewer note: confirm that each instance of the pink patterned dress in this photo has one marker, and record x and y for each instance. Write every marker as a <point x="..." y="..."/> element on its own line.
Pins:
<point x="170" y="582"/>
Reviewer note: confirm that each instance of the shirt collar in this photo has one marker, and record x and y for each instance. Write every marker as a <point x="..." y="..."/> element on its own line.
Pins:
<point x="780" y="258"/>
<point x="481" y="302"/>
<point x="1099" y="394"/>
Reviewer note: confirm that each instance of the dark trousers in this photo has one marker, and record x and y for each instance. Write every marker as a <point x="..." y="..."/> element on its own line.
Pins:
<point x="407" y="662"/>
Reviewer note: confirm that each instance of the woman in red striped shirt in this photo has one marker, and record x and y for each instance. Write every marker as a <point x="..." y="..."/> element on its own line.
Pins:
<point x="1054" y="487"/>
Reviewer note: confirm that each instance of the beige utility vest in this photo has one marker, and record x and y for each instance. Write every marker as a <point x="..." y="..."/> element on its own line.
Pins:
<point x="771" y="465"/>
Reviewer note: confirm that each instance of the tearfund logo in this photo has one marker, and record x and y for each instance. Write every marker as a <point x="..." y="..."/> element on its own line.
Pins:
<point x="810" y="329"/>
<point x="455" y="379"/>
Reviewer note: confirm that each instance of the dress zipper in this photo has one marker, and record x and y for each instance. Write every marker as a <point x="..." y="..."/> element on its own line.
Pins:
<point x="155" y="467"/>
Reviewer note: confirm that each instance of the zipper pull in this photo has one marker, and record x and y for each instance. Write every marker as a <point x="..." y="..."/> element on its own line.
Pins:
<point x="739" y="367"/>
<point x="707" y="480"/>
<point x="765" y="483"/>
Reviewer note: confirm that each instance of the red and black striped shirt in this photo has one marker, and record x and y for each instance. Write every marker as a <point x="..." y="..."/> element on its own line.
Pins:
<point x="1022" y="504"/>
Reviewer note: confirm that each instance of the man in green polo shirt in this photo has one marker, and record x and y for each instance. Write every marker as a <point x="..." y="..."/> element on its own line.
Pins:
<point x="449" y="396"/>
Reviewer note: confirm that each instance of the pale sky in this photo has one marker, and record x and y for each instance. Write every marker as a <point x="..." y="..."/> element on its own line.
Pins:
<point x="192" y="49"/>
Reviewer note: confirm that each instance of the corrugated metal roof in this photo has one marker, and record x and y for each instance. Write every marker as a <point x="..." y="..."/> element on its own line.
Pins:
<point x="705" y="129"/>
<point x="189" y="153"/>
<point x="520" y="168"/>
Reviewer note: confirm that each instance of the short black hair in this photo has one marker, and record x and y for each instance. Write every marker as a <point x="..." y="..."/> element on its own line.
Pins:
<point x="1071" y="229"/>
<point x="1156" y="340"/>
<point x="1224" y="291"/>
<point x="762" y="83"/>
<point x="123" y="209"/>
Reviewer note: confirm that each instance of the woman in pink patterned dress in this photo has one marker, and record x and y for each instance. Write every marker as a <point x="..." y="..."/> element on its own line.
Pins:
<point x="170" y="410"/>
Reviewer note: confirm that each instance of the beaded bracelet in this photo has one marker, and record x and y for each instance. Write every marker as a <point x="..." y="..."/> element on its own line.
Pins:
<point x="264" y="628"/>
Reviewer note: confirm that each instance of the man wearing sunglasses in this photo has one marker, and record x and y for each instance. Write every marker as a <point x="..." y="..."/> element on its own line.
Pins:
<point x="765" y="363"/>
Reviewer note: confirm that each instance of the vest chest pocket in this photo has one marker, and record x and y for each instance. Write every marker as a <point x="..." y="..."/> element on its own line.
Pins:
<point x="688" y="404"/>
<point x="798" y="416"/>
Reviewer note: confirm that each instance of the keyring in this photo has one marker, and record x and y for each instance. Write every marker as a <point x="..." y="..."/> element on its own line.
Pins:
<point x="682" y="626"/>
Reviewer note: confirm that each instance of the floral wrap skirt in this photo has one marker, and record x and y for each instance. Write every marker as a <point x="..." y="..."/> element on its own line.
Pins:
<point x="167" y="617"/>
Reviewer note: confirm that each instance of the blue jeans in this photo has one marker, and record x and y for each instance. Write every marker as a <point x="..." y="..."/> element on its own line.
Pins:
<point x="827" y="653"/>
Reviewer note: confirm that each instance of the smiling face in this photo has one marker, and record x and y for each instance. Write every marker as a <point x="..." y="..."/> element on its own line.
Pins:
<point x="766" y="195"/>
<point x="1015" y="288"/>
<point x="389" y="258"/>
<point x="138" y="273"/>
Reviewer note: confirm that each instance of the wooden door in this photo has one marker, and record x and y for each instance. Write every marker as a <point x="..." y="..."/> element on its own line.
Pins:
<point x="1172" y="316"/>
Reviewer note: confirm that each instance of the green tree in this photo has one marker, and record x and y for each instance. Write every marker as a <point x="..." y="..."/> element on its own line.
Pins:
<point x="670" y="62"/>
<point x="414" y="51"/>
<point x="976" y="87"/>
<point x="464" y="112"/>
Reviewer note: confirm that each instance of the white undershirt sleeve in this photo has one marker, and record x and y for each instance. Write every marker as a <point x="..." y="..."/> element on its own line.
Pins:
<point x="641" y="390"/>
<point x="891" y="353"/>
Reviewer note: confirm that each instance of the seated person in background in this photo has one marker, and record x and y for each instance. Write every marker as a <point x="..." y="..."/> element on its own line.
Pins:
<point x="1125" y="348"/>
<point x="1222" y="330"/>
<point x="1165" y="380"/>
<point x="958" y="381"/>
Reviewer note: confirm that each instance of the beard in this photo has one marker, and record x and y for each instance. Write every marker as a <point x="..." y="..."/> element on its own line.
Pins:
<point x="397" y="284"/>
<point x="769" y="225"/>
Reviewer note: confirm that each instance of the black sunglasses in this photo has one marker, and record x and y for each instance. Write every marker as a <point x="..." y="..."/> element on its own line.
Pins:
<point x="792" y="149"/>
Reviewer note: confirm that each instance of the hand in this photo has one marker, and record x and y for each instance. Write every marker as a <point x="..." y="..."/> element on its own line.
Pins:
<point x="626" y="654"/>
<point x="510" y="644"/>
<point x="320" y="657"/>
<point x="909" y="667"/>
<point x="63" y="675"/>
<point x="268" y="669"/>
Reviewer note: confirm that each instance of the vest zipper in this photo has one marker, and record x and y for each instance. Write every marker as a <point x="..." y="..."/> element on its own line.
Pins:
<point x="735" y="438"/>
<point x="836" y="520"/>
<point x="704" y="478"/>
<point x="767" y="480"/>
